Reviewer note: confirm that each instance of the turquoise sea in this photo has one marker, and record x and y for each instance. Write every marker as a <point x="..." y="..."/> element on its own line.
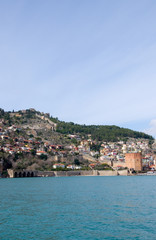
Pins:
<point x="73" y="208"/>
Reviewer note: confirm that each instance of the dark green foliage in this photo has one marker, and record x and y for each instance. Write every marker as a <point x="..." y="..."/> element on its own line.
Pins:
<point x="29" y="113"/>
<point x="31" y="135"/>
<point x="74" y="141"/>
<point x="2" y="113"/>
<point x="45" y="149"/>
<point x="17" y="156"/>
<point x="7" y="163"/>
<point x="100" y="132"/>
<point x="95" y="147"/>
<point x="5" y="116"/>
<point x="33" y="152"/>
<point x="151" y="141"/>
<point x="21" y="165"/>
<point x="38" y="139"/>
<point x="43" y="157"/>
<point x="76" y="161"/>
<point x="55" y="120"/>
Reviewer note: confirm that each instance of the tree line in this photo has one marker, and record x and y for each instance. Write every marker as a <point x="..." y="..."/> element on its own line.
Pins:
<point x="100" y="132"/>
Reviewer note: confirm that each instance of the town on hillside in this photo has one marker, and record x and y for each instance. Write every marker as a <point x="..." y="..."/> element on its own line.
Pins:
<point x="29" y="141"/>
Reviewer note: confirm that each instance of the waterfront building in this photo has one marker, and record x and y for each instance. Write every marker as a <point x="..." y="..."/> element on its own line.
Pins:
<point x="134" y="161"/>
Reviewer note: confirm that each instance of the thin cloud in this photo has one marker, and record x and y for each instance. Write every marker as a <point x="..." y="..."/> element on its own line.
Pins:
<point x="152" y="128"/>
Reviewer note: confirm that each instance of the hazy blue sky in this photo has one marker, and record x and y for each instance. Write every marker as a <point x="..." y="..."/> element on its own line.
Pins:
<point x="90" y="62"/>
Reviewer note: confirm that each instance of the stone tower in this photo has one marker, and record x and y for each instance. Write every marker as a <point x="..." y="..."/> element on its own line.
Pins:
<point x="134" y="161"/>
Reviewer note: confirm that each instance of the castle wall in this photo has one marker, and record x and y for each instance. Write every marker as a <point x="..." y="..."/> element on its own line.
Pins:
<point x="107" y="173"/>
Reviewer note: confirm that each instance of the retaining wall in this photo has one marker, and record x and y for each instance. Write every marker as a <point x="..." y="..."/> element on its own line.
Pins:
<point x="107" y="173"/>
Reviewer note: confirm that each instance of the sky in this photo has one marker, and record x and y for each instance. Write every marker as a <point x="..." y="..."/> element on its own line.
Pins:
<point x="85" y="61"/>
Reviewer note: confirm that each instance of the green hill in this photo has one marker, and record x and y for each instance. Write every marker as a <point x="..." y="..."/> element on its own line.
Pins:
<point x="31" y="117"/>
<point x="100" y="132"/>
<point x="33" y="140"/>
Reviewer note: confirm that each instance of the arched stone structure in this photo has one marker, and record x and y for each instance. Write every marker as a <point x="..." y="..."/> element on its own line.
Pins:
<point x="20" y="174"/>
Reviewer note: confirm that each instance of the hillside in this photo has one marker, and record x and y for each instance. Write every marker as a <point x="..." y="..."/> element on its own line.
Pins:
<point x="40" y="122"/>
<point x="33" y="140"/>
<point x="100" y="132"/>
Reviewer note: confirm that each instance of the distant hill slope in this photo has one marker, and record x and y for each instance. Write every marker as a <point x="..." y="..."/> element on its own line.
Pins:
<point x="47" y="126"/>
<point x="100" y="132"/>
<point x="32" y="124"/>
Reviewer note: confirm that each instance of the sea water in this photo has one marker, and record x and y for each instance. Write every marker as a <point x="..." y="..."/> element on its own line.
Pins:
<point x="73" y="208"/>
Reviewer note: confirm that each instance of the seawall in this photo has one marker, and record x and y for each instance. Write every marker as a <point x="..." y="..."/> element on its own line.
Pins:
<point x="26" y="173"/>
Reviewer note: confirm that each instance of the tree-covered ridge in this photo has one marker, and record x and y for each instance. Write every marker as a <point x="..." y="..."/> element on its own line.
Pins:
<point x="97" y="132"/>
<point x="4" y="115"/>
<point x="100" y="132"/>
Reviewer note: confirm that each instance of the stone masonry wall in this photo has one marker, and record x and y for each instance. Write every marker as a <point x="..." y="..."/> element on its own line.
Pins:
<point x="134" y="160"/>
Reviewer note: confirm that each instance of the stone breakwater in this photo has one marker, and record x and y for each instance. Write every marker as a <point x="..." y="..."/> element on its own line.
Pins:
<point x="26" y="173"/>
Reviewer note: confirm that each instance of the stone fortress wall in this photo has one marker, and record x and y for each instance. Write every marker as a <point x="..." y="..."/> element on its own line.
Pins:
<point x="24" y="173"/>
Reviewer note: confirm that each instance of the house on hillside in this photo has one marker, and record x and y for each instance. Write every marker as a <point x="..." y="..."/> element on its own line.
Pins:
<point x="73" y="167"/>
<point x="40" y="153"/>
<point x="58" y="165"/>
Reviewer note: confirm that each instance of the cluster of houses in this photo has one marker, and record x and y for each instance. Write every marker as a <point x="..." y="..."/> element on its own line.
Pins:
<point x="18" y="144"/>
<point x="114" y="153"/>
<point x="63" y="166"/>
<point x="108" y="152"/>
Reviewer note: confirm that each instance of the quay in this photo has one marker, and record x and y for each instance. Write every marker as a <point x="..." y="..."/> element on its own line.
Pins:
<point x="26" y="173"/>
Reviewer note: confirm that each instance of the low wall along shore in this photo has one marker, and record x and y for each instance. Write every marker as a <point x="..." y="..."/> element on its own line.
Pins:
<point x="26" y="173"/>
